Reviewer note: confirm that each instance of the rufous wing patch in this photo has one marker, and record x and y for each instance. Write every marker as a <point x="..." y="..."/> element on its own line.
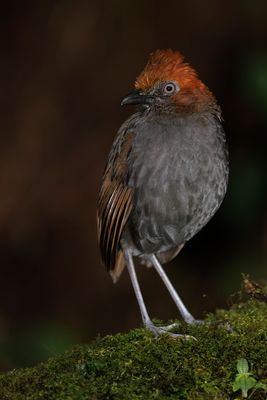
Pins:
<point x="114" y="206"/>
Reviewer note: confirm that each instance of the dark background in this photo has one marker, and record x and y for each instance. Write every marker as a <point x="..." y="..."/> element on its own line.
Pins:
<point x="65" y="66"/>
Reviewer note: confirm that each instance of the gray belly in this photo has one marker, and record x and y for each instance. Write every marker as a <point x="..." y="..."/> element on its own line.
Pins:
<point x="179" y="182"/>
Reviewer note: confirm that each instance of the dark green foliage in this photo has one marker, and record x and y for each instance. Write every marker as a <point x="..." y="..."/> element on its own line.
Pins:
<point x="139" y="366"/>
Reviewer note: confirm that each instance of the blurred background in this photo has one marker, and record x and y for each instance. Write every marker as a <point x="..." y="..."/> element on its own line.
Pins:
<point x="65" y="66"/>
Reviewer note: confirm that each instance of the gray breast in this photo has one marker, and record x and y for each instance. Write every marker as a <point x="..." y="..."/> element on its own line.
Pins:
<point x="178" y="169"/>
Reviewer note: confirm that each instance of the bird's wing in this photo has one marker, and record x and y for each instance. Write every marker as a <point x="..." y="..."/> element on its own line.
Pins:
<point x="115" y="204"/>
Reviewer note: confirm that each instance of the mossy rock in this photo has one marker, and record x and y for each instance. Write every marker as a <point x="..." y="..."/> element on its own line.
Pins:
<point x="137" y="365"/>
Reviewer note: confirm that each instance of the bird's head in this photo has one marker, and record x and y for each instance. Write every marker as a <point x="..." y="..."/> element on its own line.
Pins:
<point x="168" y="84"/>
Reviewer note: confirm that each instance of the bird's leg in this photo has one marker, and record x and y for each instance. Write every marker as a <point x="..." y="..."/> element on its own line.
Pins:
<point x="187" y="317"/>
<point x="131" y="269"/>
<point x="145" y="317"/>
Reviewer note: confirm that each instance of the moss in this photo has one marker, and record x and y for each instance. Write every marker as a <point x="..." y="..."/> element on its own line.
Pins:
<point x="139" y="366"/>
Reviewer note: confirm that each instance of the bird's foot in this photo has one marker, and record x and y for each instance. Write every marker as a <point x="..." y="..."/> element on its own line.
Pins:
<point x="159" y="330"/>
<point x="189" y="319"/>
<point x="195" y="322"/>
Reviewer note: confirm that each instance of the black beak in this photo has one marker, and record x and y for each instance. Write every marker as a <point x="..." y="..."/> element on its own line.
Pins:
<point x="136" y="98"/>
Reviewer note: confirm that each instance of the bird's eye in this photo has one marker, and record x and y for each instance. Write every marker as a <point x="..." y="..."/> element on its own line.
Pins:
<point x="170" y="88"/>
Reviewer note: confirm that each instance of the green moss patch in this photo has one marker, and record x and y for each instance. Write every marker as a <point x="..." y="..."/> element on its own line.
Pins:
<point x="137" y="365"/>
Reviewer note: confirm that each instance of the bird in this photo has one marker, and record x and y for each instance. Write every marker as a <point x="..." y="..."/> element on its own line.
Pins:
<point x="166" y="174"/>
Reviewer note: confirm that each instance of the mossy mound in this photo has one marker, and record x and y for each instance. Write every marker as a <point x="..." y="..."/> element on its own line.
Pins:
<point x="139" y="366"/>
